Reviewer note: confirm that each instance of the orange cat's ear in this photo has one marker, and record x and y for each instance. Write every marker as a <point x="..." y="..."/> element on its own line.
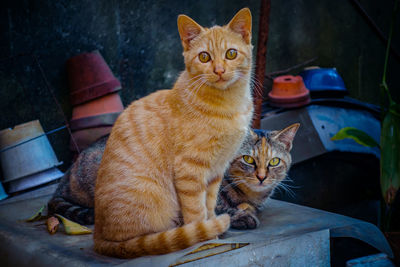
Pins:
<point x="188" y="30"/>
<point x="286" y="135"/>
<point x="241" y="23"/>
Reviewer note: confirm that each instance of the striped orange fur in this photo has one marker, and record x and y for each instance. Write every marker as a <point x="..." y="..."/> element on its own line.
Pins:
<point x="159" y="177"/>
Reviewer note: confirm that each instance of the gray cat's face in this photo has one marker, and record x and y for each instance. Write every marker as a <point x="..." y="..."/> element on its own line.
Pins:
<point x="263" y="160"/>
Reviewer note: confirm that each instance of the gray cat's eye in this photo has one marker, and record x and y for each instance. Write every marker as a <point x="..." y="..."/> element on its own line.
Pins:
<point x="274" y="162"/>
<point x="249" y="160"/>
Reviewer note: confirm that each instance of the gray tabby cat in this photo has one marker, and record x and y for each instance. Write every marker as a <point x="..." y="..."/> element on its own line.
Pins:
<point x="262" y="163"/>
<point x="74" y="196"/>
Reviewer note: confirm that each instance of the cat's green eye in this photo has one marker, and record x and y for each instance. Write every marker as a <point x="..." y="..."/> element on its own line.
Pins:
<point x="204" y="57"/>
<point x="231" y="54"/>
<point x="248" y="159"/>
<point x="274" y="162"/>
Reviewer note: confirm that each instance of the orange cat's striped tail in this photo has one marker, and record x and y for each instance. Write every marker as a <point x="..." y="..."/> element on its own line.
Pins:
<point x="164" y="242"/>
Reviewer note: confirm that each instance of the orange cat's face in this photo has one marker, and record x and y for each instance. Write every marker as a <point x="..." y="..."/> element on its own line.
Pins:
<point x="218" y="56"/>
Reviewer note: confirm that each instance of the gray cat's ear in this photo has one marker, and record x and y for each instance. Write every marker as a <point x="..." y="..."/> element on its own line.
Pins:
<point x="287" y="135"/>
<point x="241" y="23"/>
<point x="252" y="134"/>
<point x="188" y="30"/>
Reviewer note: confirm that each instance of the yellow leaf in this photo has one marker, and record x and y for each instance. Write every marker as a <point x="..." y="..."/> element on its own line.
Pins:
<point x="37" y="216"/>
<point x="73" y="228"/>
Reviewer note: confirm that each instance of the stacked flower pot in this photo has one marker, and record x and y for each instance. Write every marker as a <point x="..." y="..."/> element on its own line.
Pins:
<point x="94" y="96"/>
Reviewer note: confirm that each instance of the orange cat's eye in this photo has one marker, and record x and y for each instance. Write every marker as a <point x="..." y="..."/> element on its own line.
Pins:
<point x="204" y="57"/>
<point x="231" y="54"/>
<point x="274" y="162"/>
<point x="248" y="159"/>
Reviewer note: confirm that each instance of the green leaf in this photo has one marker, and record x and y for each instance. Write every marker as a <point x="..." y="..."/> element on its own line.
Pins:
<point x="73" y="228"/>
<point x="357" y="135"/>
<point x="390" y="155"/>
<point x="395" y="109"/>
<point x="37" y="216"/>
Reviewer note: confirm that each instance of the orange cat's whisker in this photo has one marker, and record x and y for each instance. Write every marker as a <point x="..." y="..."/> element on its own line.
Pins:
<point x="256" y="85"/>
<point x="195" y="90"/>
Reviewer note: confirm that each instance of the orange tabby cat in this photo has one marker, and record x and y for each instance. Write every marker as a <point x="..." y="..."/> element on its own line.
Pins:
<point x="159" y="177"/>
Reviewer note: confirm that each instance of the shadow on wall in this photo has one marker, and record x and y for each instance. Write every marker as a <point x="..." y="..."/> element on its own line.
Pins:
<point x="140" y="42"/>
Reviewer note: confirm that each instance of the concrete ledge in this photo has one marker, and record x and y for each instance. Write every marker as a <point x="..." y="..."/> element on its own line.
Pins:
<point x="29" y="244"/>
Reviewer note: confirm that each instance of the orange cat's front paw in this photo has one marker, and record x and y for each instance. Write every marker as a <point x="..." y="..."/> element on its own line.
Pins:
<point x="225" y="220"/>
<point x="211" y="214"/>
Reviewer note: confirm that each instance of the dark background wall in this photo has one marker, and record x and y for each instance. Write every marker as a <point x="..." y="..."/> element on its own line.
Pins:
<point x="140" y="42"/>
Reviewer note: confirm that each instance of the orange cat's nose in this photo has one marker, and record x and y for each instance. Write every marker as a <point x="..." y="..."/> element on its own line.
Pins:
<point x="219" y="70"/>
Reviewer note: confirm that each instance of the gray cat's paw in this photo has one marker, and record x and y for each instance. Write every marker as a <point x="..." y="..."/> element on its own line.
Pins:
<point x="243" y="220"/>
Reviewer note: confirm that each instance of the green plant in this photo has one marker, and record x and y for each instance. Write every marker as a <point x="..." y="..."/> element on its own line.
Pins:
<point x="389" y="140"/>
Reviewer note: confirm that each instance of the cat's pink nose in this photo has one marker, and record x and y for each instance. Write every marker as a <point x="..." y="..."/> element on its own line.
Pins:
<point x="261" y="178"/>
<point x="219" y="70"/>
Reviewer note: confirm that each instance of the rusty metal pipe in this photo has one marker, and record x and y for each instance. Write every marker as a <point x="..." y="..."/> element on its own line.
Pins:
<point x="258" y="89"/>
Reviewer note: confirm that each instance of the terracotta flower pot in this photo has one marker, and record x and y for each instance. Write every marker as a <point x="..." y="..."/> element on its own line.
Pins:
<point x="289" y="91"/>
<point x="106" y="104"/>
<point x="90" y="77"/>
<point x="85" y="137"/>
<point x="102" y="111"/>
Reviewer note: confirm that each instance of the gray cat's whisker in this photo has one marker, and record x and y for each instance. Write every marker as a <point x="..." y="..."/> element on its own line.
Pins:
<point x="233" y="183"/>
<point x="289" y="180"/>
<point x="291" y="186"/>
<point x="287" y="190"/>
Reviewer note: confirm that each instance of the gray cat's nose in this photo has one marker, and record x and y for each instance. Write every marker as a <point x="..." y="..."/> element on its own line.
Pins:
<point x="261" y="178"/>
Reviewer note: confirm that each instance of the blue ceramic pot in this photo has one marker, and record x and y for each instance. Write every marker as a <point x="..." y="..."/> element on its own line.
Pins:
<point x="323" y="79"/>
